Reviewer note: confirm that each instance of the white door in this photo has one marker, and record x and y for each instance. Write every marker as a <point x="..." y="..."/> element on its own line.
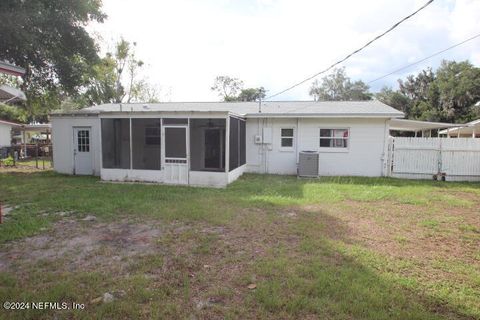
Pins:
<point x="175" y="160"/>
<point x="82" y="151"/>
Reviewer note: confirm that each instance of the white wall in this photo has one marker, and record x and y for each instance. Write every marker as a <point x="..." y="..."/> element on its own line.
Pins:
<point x="5" y="135"/>
<point x="62" y="140"/>
<point x="364" y="157"/>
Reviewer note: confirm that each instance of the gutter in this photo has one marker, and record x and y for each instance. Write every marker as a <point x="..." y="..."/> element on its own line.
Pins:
<point x="248" y="115"/>
<point x="319" y="115"/>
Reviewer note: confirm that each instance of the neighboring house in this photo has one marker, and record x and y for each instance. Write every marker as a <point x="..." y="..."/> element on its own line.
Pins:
<point x="212" y="144"/>
<point x="469" y="130"/>
<point x="416" y="127"/>
<point x="33" y="133"/>
<point x="6" y="128"/>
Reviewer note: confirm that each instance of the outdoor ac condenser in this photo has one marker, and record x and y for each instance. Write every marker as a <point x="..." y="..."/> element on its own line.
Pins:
<point x="308" y="164"/>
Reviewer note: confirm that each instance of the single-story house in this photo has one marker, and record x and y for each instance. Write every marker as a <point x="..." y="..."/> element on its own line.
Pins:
<point x="213" y="143"/>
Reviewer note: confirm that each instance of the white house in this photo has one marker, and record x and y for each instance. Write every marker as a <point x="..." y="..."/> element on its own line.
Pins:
<point x="212" y="144"/>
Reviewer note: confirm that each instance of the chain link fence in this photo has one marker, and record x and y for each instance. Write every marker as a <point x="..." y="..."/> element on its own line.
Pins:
<point x="29" y="157"/>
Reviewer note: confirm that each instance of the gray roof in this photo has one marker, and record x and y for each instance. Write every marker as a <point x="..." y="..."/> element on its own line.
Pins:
<point x="372" y="108"/>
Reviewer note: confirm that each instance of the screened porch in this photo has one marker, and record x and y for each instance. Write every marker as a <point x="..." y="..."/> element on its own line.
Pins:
<point x="196" y="151"/>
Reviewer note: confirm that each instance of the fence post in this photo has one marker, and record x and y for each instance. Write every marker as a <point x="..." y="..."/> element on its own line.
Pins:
<point x="36" y="155"/>
<point x="440" y="165"/>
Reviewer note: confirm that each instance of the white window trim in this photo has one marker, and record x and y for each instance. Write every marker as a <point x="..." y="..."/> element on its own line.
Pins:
<point x="333" y="149"/>
<point x="287" y="149"/>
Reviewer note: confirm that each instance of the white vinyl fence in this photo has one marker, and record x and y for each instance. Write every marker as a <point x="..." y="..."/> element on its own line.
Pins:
<point x="452" y="159"/>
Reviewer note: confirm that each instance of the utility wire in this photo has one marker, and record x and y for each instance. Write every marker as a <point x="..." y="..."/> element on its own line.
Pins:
<point x="426" y="58"/>
<point x="354" y="52"/>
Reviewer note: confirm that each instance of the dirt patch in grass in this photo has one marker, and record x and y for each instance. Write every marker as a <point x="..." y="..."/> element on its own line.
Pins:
<point x="83" y="245"/>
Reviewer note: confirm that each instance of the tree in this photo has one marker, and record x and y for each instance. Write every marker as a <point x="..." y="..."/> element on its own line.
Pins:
<point x="252" y="94"/>
<point x="227" y="87"/>
<point x="116" y="79"/>
<point x="448" y="94"/>
<point x="458" y="85"/>
<point x="338" y="86"/>
<point x="12" y="113"/>
<point x="394" y="99"/>
<point x="48" y="38"/>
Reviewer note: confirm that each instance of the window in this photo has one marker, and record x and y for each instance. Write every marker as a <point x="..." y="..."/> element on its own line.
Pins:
<point x="83" y="141"/>
<point x="287" y="138"/>
<point x="334" y="138"/>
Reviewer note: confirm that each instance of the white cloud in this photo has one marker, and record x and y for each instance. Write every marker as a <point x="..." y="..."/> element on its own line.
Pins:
<point x="274" y="43"/>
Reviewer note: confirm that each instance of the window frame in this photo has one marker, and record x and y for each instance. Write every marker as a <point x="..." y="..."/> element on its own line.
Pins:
<point x="332" y="136"/>
<point x="83" y="142"/>
<point x="292" y="137"/>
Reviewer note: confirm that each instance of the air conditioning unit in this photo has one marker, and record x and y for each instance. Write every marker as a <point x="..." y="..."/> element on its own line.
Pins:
<point x="308" y="164"/>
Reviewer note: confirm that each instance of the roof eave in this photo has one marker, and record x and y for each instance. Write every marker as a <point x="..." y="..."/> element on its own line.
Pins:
<point x="319" y="115"/>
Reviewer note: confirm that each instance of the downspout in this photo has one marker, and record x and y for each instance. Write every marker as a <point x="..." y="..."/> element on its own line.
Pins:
<point x="296" y="135"/>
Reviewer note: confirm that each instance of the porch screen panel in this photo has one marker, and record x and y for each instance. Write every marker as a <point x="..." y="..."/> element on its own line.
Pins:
<point x="243" y="143"/>
<point x="234" y="143"/>
<point x="146" y="144"/>
<point x="116" y="143"/>
<point x="176" y="143"/>
<point x="175" y="121"/>
<point x="207" y="144"/>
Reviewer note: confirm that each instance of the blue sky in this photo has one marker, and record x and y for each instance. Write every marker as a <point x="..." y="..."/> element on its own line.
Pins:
<point x="275" y="43"/>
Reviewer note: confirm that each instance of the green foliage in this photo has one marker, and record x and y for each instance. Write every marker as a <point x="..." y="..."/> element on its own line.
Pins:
<point x="8" y="161"/>
<point x="252" y="94"/>
<point x="231" y="89"/>
<point x="337" y="86"/>
<point x="394" y="99"/>
<point x="448" y="94"/>
<point x="227" y="87"/>
<point x="116" y="79"/>
<point x="12" y="113"/>
<point x="458" y="84"/>
<point x="320" y="263"/>
<point x="49" y="40"/>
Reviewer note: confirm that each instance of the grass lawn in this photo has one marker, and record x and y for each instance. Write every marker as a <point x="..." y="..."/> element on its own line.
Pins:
<point x="265" y="247"/>
<point x="29" y="165"/>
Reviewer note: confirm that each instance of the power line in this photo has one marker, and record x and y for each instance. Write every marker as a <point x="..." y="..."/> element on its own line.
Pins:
<point x="354" y="52"/>
<point x="426" y="58"/>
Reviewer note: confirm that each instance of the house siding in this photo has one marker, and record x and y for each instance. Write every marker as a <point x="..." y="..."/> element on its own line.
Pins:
<point x="364" y="156"/>
<point x="62" y="141"/>
<point x="5" y="135"/>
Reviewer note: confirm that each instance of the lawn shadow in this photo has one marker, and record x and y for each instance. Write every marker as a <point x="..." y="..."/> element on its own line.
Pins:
<point x="321" y="275"/>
